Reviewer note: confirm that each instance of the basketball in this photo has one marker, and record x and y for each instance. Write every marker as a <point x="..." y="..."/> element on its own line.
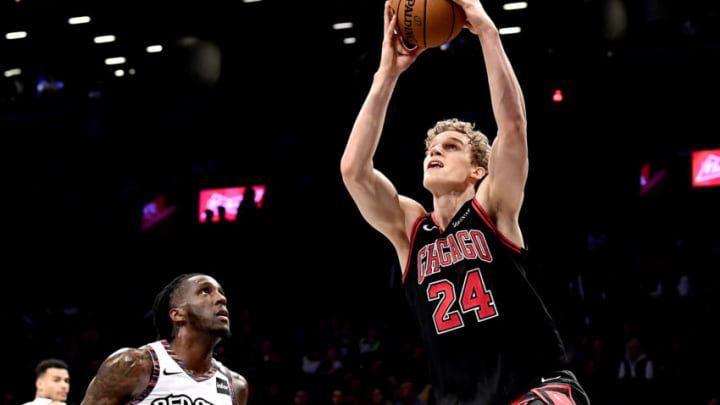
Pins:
<point x="428" y="23"/>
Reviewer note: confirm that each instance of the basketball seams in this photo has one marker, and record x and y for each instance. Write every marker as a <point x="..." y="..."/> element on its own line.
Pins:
<point x="425" y="24"/>
<point x="452" y="26"/>
<point x="397" y="19"/>
<point x="442" y="29"/>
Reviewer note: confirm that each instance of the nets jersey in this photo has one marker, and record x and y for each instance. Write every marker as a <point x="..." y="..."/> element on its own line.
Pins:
<point x="487" y="335"/>
<point x="172" y="384"/>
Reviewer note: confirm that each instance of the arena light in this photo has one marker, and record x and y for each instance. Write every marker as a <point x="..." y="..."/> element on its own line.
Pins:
<point x="119" y="60"/>
<point x="348" y="41"/>
<point x="119" y="73"/>
<point x="79" y="20"/>
<point x="230" y="198"/>
<point x="12" y="72"/>
<point x="558" y="96"/>
<point x="515" y="6"/>
<point x="154" y="49"/>
<point x="155" y="212"/>
<point x="259" y="195"/>
<point x="706" y="168"/>
<point x="16" y="35"/>
<point x="509" y="30"/>
<point x="104" y="39"/>
<point x="251" y="1"/>
<point x="651" y="180"/>
<point x="342" y="26"/>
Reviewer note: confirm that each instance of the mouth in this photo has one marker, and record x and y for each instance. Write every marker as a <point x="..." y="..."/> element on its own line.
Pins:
<point x="435" y="164"/>
<point x="223" y="314"/>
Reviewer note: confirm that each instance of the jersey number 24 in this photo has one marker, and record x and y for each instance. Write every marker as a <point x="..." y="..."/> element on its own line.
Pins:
<point x="474" y="297"/>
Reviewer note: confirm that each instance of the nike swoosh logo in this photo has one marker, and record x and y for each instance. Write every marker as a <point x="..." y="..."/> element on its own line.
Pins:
<point x="544" y="380"/>
<point x="165" y="372"/>
<point x="427" y="228"/>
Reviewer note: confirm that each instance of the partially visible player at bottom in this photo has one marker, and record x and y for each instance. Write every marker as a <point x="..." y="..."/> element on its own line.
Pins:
<point x="52" y="383"/>
<point x="191" y="317"/>
<point x="488" y="337"/>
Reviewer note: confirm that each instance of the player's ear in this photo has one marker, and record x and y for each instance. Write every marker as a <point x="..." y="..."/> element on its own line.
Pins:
<point x="478" y="172"/>
<point x="178" y="315"/>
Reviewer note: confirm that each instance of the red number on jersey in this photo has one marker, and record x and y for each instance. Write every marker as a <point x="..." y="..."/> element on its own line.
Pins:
<point x="474" y="297"/>
<point x="445" y="320"/>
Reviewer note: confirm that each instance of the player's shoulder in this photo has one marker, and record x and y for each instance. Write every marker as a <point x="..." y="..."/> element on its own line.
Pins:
<point x="412" y="211"/>
<point x="134" y="361"/>
<point x="240" y="384"/>
<point x="237" y="379"/>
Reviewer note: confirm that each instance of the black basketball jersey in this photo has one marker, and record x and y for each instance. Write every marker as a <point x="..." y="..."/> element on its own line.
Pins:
<point x="487" y="334"/>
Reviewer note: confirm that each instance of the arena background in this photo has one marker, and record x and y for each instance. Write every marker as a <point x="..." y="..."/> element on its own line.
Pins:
<point x="265" y="93"/>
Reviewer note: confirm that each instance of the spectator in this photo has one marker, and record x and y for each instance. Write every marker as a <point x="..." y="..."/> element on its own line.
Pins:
<point x="635" y="372"/>
<point x="407" y="396"/>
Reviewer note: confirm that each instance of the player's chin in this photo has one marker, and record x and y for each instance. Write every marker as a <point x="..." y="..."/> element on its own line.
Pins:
<point x="431" y="182"/>
<point x="222" y="331"/>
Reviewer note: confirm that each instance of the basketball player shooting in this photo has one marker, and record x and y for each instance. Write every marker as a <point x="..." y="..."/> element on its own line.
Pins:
<point x="191" y="317"/>
<point x="488" y="336"/>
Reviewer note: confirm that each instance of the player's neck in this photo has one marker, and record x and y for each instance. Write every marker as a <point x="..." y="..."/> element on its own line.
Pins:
<point x="447" y="205"/>
<point x="195" y="349"/>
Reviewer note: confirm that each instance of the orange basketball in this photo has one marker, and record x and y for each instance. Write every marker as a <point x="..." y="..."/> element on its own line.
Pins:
<point x="428" y="23"/>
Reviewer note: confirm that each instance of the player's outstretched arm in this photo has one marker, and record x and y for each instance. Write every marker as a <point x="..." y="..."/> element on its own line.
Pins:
<point x="373" y="193"/>
<point x="508" y="164"/>
<point x="121" y="377"/>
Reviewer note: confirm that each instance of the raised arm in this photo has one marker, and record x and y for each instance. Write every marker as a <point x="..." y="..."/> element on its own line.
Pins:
<point x="374" y="194"/>
<point x="508" y="164"/>
<point x="122" y="376"/>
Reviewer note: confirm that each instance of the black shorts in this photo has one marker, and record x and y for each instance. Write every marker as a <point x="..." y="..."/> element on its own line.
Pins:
<point x="558" y="388"/>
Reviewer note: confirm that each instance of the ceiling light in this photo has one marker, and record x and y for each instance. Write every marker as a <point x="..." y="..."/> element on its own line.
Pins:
<point x="104" y="39"/>
<point x="509" y="30"/>
<point x="79" y="20"/>
<point x="515" y="6"/>
<point x="119" y="60"/>
<point x="16" y="35"/>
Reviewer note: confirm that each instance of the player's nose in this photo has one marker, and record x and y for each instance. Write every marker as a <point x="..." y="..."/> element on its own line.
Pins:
<point x="220" y="299"/>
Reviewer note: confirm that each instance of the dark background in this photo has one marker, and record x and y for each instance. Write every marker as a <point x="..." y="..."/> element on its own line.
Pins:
<point x="81" y="162"/>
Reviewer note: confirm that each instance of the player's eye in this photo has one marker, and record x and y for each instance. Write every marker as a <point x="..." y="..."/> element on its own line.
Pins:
<point x="205" y="290"/>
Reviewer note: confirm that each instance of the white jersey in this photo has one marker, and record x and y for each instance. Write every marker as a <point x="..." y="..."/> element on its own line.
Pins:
<point x="39" y="401"/>
<point x="172" y="384"/>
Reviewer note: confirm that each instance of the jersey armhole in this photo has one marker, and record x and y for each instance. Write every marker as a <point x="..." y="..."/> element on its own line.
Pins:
<point x="486" y="218"/>
<point x="226" y="372"/>
<point x="415" y="227"/>
<point x="153" y="378"/>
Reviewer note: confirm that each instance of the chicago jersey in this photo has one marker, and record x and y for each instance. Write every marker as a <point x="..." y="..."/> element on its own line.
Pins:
<point x="172" y="384"/>
<point x="487" y="335"/>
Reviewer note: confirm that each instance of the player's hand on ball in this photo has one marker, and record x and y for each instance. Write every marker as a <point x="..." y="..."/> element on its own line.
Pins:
<point x="396" y="57"/>
<point x="477" y="18"/>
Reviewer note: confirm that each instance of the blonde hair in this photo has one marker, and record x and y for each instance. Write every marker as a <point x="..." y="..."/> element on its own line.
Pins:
<point x="479" y="144"/>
